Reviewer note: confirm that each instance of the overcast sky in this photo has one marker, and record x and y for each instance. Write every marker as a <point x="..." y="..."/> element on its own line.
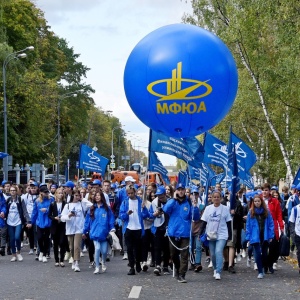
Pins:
<point x="104" y="32"/>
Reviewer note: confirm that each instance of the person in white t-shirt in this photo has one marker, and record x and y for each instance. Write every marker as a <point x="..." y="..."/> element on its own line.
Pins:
<point x="295" y="229"/>
<point x="216" y="218"/>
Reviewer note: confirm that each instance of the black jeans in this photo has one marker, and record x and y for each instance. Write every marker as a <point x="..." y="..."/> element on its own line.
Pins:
<point x="59" y="240"/>
<point x="161" y="245"/>
<point x="43" y="235"/>
<point x="133" y="240"/>
<point x="297" y="243"/>
<point x="181" y="264"/>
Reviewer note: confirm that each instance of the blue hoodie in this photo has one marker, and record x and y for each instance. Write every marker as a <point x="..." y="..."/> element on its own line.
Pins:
<point x="143" y="213"/>
<point x="99" y="227"/>
<point x="181" y="214"/>
<point x="38" y="217"/>
<point x="252" y="229"/>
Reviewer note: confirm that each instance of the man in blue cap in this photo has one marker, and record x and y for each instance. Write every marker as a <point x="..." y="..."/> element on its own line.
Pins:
<point x="159" y="226"/>
<point x="181" y="212"/>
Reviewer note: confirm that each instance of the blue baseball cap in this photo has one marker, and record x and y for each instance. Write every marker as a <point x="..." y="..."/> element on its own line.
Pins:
<point x="180" y="186"/>
<point x="4" y="182"/>
<point x="274" y="187"/>
<point x="96" y="182"/>
<point x="34" y="183"/>
<point x="160" y="190"/>
<point x="69" y="184"/>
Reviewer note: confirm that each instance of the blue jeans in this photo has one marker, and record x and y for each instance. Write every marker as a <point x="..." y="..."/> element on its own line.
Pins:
<point x="196" y="244"/>
<point x="216" y="254"/>
<point x="100" y="247"/>
<point x="260" y="254"/>
<point x="14" y="233"/>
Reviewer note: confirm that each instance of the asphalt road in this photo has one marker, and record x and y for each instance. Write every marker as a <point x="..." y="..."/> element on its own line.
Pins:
<point x="31" y="279"/>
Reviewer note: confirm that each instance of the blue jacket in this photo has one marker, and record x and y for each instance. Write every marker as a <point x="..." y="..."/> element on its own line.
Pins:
<point x="143" y="213"/>
<point x="181" y="215"/>
<point x="252" y="229"/>
<point x="2" y="210"/>
<point x="38" y="217"/>
<point x="99" y="227"/>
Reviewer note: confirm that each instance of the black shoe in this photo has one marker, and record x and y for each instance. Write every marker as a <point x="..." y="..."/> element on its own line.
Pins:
<point x="166" y="271"/>
<point x="292" y="248"/>
<point x="157" y="271"/>
<point x="2" y="251"/>
<point x="144" y="267"/>
<point x="231" y="270"/>
<point x="138" y="267"/>
<point x="182" y="279"/>
<point x="225" y="266"/>
<point x="107" y="259"/>
<point x="198" y="268"/>
<point x="271" y="270"/>
<point x="131" y="272"/>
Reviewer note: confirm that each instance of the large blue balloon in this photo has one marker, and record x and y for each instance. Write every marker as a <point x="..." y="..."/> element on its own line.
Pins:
<point x="180" y="80"/>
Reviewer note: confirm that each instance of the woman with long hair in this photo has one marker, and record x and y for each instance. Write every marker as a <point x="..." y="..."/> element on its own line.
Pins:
<point x="58" y="228"/>
<point x="43" y="222"/>
<point x="99" y="221"/>
<point x="259" y="232"/>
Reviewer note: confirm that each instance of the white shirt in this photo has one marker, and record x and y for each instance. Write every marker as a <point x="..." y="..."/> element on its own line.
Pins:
<point x="13" y="217"/>
<point x="134" y="221"/>
<point x="297" y="220"/>
<point x="216" y="218"/>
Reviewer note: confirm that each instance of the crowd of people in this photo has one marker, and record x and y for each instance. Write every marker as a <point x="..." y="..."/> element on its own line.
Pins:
<point x="167" y="228"/>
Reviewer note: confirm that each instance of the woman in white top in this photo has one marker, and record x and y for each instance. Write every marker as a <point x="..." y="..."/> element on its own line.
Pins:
<point x="216" y="218"/>
<point x="74" y="216"/>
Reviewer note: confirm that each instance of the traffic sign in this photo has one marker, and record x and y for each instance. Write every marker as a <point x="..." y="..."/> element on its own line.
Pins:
<point x="112" y="156"/>
<point x="112" y="165"/>
<point x="112" y="160"/>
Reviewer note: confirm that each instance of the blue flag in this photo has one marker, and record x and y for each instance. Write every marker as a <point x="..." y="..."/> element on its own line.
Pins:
<point x="183" y="177"/>
<point x="91" y="160"/>
<point x="215" y="151"/>
<point x="245" y="156"/>
<point x="189" y="149"/>
<point x="297" y="178"/>
<point x="155" y="165"/>
<point x="3" y="154"/>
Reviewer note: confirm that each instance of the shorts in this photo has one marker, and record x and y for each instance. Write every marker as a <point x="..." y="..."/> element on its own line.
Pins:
<point x="231" y="243"/>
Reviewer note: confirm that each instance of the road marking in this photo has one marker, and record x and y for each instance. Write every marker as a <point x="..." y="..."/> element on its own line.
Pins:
<point x="135" y="292"/>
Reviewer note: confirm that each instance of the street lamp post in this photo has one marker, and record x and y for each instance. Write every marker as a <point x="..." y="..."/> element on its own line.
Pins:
<point x="71" y="94"/>
<point x="8" y="58"/>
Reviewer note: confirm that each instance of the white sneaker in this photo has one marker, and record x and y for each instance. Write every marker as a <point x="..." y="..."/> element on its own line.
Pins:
<point x="239" y="257"/>
<point x="260" y="276"/>
<point x="210" y="264"/>
<point x="41" y="257"/>
<point x="13" y="258"/>
<point x="244" y="253"/>
<point x="275" y="266"/>
<point x="103" y="267"/>
<point x="249" y="262"/>
<point x="215" y="272"/>
<point x="22" y="245"/>
<point x="45" y="259"/>
<point x="81" y="254"/>
<point x="125" y="256"/>
<point x="67" y="256"/>
<point x="255" y="266"/>
<point x="218" y="276"/>
<point x="84" y="249"/>
<point x="30" y="252"/>
<point x="19" y="257"/>
<point x="76" y="269"/>
<point x="71" y="260"/>
<point x="73" y="266"/>
<point x="97" y="271"/>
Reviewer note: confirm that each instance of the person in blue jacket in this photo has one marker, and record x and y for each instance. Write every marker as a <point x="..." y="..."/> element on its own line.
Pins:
<point x="41" y="218"/>
<point x="259" y="232"/>
<point x="132" y="212"/>
<point x="99" y="221"/>
<point x="3" y="227"/>
<point x="181" y="212"/>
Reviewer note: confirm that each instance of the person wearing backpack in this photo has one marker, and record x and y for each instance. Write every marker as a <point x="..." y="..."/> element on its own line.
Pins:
<point x="294" y="222"/>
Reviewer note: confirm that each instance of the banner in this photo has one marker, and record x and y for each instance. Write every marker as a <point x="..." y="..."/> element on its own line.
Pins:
<point x="297" y="178"/>
<point x="189" y="149"/>
<point x="232" y="164"/>
<point x="215" y="151"/>
<point x="183" y="177"/>
<point x="155" y="165"/>
<point x="245" y="156"/>
<point x="91" y="160"/>
<point x="202" y="174"/>
<point x="248" y="182"/>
